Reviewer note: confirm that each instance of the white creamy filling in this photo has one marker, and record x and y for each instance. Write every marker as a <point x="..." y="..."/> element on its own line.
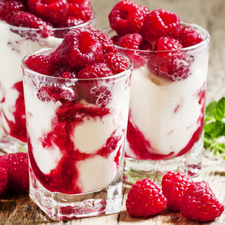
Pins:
<point x="39" y="121"/>
<point x="153" y="104"/>
<point x="92" y="134"/>
<point x="13" y="49"/>
<point x="96" y="173"/>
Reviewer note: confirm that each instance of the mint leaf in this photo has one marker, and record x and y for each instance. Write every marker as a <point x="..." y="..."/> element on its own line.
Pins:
<point x="214" y="127"/>
<point x="209" y="127"/>
<point x="219" y="110"/>
<point x="218" y="129"/>
<point x="210" y="108"/>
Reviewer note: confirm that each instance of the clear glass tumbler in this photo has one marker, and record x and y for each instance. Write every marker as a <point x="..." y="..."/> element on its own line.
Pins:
<point x="15" y="43"/>
<point x="76" y="133"/>
<point x="166" y="116"/>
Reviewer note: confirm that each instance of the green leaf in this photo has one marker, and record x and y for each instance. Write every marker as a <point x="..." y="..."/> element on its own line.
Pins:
<point x="208" y="119"/>
<point x="209" y="127"/>
<point x="219" y="110"/>
<point x="210" y="108"/>
<point x="218" y="128"/>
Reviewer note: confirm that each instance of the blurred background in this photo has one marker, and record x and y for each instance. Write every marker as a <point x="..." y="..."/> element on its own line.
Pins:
<point x="210" y="14"/>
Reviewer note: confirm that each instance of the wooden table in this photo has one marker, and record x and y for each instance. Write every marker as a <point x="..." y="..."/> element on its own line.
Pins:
<point x="19" y="209"/>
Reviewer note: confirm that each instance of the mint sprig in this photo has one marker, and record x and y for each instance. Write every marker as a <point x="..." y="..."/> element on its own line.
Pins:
<point x="214" y="127"/>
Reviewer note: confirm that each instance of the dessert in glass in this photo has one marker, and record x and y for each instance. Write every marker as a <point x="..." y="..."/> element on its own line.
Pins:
<point x="168" y="87"/>
<point x="23" y="29"/>
<point x="76" y="115"/>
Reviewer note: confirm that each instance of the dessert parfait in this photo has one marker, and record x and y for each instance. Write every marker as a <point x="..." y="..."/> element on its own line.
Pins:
<point x="76" y="99"/>
<point x="168" y="85"/>
<point x="27" y="26"/>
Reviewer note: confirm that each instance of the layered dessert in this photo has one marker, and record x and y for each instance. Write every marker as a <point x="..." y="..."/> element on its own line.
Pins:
<point x="27" y="26"/>
<point x="166" y="112"/>
<point x="77" y="111"/>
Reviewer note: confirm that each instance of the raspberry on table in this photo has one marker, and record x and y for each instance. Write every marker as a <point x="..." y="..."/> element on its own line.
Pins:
<point x="131" y="41"/>
<point x="174" y="185"/>
<point x="81" y="9"/>
<point x="16" y="165"/>
<point x="116" y="62"/>
<point x="145" y="198"/>
<point x="168" y="61"/>
<point x="8" y="8"/>
<point x="126" y="17"/>
<point x="161" y="23"/>
<point x="81" y="48"/>
<point x="200" y="203"/>
<point x="26" y="19"/>
<point x="52" y="11"/>
<point x="95" y="71"/>
<point x="188" y="37"/>
<point x="3" y="180"/>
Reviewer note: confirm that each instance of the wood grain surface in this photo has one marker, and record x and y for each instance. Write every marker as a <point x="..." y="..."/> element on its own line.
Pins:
<point x="19" y="209"/>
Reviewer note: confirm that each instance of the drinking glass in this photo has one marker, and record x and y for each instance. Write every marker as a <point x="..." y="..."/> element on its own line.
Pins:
<point x="166" y="112"/>
<point x="76" y="133"/>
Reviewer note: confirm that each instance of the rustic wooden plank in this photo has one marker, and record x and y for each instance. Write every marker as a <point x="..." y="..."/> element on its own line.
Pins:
<point x="19" y="209"/>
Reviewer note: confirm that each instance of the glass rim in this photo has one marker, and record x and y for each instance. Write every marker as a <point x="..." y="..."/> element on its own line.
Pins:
<point x="92" y="20"/>
<point x="43" y="50"/>
<point x="205" y="41"/>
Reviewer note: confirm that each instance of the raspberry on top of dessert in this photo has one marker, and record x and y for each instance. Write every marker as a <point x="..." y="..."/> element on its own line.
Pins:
<point x="45" y="14"/>
<point x="138" y="28"/>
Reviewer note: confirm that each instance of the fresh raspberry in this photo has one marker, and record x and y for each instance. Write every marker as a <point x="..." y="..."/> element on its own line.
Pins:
<point x="161" y="23"/>
<point x="165" y="44"/>
<point x="8" y="8"/>
<point x="168" y="61"/>
<point x="145" y="198"/>
<point x="116" y="62"/>
<point x="126" y="17"/>
<point x="80" y="9"/>
<point x="115" y="38"/>
<point x="56" y="56"/>
<point x="81" y="48"/>
<point x="188" y="37"/>
<point x="56" y="93"/>
<point x="131" y="41"/>
<point x="107" y="43"/>
<point x="66" y="25"/>
<point x="146" y="45"/>
<point x="52" y="11"/>
<point x="26" y="19"/>
<point x="3" y="180"/>
<point x="144" y="10"/>
<point x="65" y="72"/>
<point x="16" y="165"/>
<point x="94" y="71"/>
<point x="42" y="64"/>
<point x="174" y="184"/>
<point x="199" y="203"/>
<point x="70" y="22"/>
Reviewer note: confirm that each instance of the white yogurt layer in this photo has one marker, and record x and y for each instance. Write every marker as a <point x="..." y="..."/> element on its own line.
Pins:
<point x="13" y="49"/>
<point x="167" y="112"/>
<point x="91" y="135"/>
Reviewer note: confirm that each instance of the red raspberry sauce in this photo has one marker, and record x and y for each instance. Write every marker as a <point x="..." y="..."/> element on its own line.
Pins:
<point x="64" y="177"/>
<point x="142" y="148"/>
<point x="17" y="128"/>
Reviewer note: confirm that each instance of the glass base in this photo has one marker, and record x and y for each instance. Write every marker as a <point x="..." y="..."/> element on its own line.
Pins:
<point x="60" y="206"/>
<point x="190" y="164"/>
<point x="8" y="144"/>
